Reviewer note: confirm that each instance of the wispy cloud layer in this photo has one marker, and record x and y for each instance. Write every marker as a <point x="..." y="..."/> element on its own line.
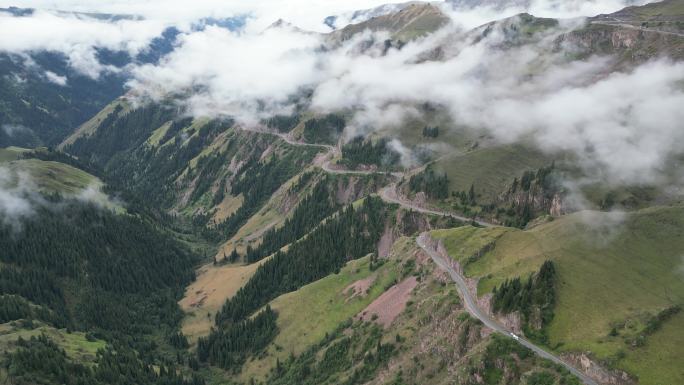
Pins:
<point x="229" y="72"/>
<point x="622" y="126"/>
<point x="77" y="37"/>
<point x="15" y="191"/>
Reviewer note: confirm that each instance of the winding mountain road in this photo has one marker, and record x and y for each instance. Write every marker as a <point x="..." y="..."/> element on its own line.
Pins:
<point x="623" y="24"/>
<point x="472" y="308"/>
<point x="389" y="194"/>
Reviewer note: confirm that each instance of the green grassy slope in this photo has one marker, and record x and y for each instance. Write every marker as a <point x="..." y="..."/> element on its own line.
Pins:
<point x="75" y="344"/>
<point x="613" y="269"/>
<point x="490" y="168"/>
<point x="52" y="177"/>
<point x="432" y="341"/>
<point x="412" y="22"/>
<point x="656" y="11"/>
<point x="57" y="177"/>
<point x="11" y="153"/>
<point x="308" y="314"/>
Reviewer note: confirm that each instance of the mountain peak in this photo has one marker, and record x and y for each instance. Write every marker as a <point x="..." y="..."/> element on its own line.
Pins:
<point x="410" y="22"/>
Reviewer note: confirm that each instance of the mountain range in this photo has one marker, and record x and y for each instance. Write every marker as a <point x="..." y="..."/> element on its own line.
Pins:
<point x="397" y="200"/>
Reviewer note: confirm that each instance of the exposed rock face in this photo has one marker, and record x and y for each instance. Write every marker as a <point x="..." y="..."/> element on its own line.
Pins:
<point x="511" y="321"/>
<point x="406" y="223"/>
<point x="535" y="193"/>
<point x="537" y="199"/>
<point x="597" y="372"/>
<point x="386" y="241"/>
<point x="389" y="304"/>
<point x="346" y="192"/>
<point x="556" y="208"/>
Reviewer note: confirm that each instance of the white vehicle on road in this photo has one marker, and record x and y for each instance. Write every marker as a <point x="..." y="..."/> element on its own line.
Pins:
<point x="515" y="337"/>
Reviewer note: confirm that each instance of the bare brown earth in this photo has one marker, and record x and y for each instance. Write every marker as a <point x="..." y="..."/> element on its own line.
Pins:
<point x="359" y="288"/>
<point x="214" y="285"/>
<point x="226" y="208"/>
<point x="390" y="304"/>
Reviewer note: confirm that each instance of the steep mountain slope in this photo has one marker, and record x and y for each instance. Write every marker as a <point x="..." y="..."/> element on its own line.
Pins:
<point x="416" y="331"/>
<point x="635" y="34"/>
<point x="665" y="16"/>
<point x="35" y="110"/>
<point x="624" y="279"/>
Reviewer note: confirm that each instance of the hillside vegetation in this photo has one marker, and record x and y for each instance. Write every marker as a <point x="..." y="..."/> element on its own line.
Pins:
<point x="616" y="274"/>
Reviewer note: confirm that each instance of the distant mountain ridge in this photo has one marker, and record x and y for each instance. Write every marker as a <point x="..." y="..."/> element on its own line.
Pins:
<point x="42" y="112"/>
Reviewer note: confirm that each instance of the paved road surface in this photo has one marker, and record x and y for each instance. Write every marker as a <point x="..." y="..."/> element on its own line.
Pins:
<point x="472" y="308"/>
<point x="389" y="194"/>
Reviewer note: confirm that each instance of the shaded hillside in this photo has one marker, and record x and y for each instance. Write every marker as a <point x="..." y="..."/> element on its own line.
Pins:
<point x="188" y="166"/>
<point x="120" y="283"/>
<point x="35" y="111"/>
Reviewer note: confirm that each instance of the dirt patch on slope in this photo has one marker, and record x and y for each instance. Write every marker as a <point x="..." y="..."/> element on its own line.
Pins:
<point x="204" y="297"/>
<point x="359" y="288"/>
<point x="386" y="242"/>
<point x="390" y="304"/>
<point x="227" y="207"/>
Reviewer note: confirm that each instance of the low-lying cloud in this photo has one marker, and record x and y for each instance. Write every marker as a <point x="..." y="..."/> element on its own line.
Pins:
<point x="21" y="196"/>
<point x="622" y="125"/>
<point x="235" y="74"/>
<point x="16" y="190"/>
<point x="76" y="36"/>
<point x="56" y="79"/>
<point x="14" y="129"/>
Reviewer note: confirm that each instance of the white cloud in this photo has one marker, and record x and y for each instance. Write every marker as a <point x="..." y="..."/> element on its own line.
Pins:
<point x="56" y="79"/>
<point x="12" y="129"/>
<point x="15" y="189"/>
<point x="233" y="73"/>
<point x="75" y="36"/>
<point x="622" y="126"/>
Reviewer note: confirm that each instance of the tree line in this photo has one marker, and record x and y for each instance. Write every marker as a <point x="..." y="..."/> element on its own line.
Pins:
<point x="77" y="266"/>
<point x="536" y="295"/>
<point x="433" y="184"/>
<point x="359" y="151"/>
<point x="351" y="234"/>
<point x="311" y="210"/>
<point x="326" y="129"/>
